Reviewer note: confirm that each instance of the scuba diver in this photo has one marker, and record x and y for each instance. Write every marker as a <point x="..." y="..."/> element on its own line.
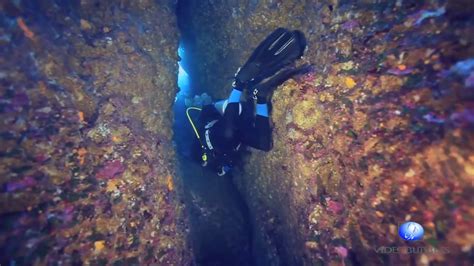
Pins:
<point x="223" y="127"/>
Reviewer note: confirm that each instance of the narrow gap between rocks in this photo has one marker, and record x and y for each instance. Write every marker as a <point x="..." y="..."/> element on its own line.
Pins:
<point x="220" y="231"/>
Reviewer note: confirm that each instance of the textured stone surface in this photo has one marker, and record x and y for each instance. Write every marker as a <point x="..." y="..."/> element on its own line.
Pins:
<point x="379" y="133"/>
<point x="86" y="162"/>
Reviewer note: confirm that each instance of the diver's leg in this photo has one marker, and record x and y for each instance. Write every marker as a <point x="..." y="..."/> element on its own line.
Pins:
<point x="223" y="132"/>
<point x="259" y="135"/>
<point x="262" y="125"/>
<point x="231" y="113"/>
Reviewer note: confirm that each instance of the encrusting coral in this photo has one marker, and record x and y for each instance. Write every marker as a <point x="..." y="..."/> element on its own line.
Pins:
<point x="87" y="166"/>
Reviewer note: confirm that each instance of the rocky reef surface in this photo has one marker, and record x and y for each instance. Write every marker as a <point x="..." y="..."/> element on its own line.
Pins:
<point x="86" y="162"/>
<point x="380" y="132"/>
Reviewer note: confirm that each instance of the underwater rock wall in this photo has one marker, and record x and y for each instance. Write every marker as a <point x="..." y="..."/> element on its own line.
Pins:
<point x="86" y="161"/>
<point x="380" y="132"/>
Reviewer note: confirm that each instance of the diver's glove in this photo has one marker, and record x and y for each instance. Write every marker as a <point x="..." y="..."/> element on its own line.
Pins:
<point x="224" y="170"/>
<point x="279" y="49"/>
<point x="267" y="86"/>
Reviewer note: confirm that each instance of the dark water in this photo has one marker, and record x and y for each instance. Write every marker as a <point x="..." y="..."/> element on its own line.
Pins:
<point x="220" y="231"/>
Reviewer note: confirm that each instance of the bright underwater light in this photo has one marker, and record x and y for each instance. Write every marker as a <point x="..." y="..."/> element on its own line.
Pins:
<point x="183" y="77"/>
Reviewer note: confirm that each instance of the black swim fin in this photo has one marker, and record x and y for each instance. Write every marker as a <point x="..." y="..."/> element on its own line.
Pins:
<point x="279" y="49"/>
<point x="268" y="85"/>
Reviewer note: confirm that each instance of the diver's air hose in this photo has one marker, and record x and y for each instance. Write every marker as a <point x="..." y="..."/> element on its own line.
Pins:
<point x="204" y="154"/>
<point x="191" y="121"/>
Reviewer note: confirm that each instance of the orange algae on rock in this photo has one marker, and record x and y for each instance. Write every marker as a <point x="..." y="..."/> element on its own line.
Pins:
<point x="169" y="183"/>
<point x="28" y="33"/>
<point x="81" y="153"/>
<point x="80" y="114"/>
<point x="402" y="67"/>
<point x="350" y="83"/>
<point x="99" y="245"/>
<point x="112" y="185"/>
<point x="85" y="25"/>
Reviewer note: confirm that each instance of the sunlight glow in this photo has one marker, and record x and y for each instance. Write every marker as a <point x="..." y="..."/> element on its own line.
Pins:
<point x="183" y="77"/>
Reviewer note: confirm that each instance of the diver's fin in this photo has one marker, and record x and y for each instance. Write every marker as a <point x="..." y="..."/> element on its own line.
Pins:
<point x="279" y="49"/>
<point x="264" y="88"/>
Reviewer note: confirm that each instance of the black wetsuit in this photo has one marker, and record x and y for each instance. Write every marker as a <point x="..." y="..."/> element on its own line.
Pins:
<point x="233" y="129"/>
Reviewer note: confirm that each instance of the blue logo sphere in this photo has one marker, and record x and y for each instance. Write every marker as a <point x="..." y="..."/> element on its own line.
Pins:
<point x="411" y="231"/>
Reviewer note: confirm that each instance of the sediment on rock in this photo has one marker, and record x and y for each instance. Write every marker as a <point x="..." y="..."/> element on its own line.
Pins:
<point x="86" y="162"/>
